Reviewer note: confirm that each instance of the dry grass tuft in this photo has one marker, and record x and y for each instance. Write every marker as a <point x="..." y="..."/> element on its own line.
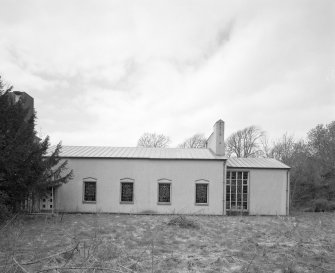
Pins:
<point x="183" y="222"/>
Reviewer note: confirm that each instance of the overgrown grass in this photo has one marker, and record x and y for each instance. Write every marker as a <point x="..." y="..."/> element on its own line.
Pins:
<point x="144" y="243"/>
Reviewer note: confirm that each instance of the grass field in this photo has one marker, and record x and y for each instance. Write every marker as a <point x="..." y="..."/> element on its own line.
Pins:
<point x="157" y="243"/>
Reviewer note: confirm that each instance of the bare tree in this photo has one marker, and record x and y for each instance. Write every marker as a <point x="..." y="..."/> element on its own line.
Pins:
<point x="245" y="142"/>
<point x="197" y="141"/>
<point x="265" y="145"/>
<point x="153" y="140"/>
<point x="283" y="149"/>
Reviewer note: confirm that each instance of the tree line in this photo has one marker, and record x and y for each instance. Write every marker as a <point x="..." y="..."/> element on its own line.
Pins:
<point x="312" y="159"/>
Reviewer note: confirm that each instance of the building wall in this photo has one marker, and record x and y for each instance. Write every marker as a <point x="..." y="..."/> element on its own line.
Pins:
<point x="267" y="192"/>
<point x="108" y="172"/>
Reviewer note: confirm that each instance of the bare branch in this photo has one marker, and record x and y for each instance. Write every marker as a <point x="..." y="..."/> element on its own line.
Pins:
<point x="18" y="264"/>
<point x="246" y="142"/>
<point x="153" y="140"/>
<point x="197" y="141"/>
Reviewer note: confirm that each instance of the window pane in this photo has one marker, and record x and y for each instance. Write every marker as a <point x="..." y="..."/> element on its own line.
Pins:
<point x="164" y="192"/>
<point x="233" y="204"/>
<point x="239" y="205"/>
<point x="239" y="187"/>
<point x="90" y="191"/>
<point x="201" y="193"/>
<point x="228" y="175"/>
<point x="239" y="175"/>
<point x="245" y="175"/>
<point x="227" y="205"/>
<point x="127" y="192"/>
<point x="227" y="196"/>
<point x="233" y="175"/>
<point x="233" y="189"/>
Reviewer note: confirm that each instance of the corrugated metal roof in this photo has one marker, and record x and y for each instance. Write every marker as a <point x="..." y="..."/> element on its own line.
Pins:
<point x="165" y="153"/>
<point x="136" y="152"/>
<point x="259" y="163"/>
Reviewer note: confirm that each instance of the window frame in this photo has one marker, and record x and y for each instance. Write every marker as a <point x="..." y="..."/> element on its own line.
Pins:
<point x="90" y="180"/>
<point x="242" y="184"/>
<point x="201" y="182"/>
<point x="164" y="181"/>
<point x="127" y="181"/>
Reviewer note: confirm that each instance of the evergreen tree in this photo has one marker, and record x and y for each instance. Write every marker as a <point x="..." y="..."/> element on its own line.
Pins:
<point x="26" y="168"/>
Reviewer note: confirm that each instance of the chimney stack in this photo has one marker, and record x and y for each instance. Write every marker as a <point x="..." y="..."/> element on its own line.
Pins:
<point x="216" y="140"/>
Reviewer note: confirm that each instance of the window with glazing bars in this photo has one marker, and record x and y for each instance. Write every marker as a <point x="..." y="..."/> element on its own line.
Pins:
<point x="237" y="191"/>
<point x="90" y="189"/>
<point x="127" y="192"/>
<point x="164" y="192"/>
<point x="201" y="193"/>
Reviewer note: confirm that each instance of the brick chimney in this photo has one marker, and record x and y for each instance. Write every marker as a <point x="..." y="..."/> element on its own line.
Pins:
<point x="216" y="140"/>
<point x="26" y="100"/>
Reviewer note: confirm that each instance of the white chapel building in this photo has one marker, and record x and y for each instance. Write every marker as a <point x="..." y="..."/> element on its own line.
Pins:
<point x="171" y="181"/>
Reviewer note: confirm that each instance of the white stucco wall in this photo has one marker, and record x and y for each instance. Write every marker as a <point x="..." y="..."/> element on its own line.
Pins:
<point x="108" y="172"/>
<point x="267" y="192"/>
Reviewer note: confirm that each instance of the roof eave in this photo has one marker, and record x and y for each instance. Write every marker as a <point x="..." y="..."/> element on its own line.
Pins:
<point x="261" y="168"/>
<point x="146" y="158"/>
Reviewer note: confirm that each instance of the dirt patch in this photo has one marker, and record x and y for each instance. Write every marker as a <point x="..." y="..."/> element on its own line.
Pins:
<point x="150" y="243"/>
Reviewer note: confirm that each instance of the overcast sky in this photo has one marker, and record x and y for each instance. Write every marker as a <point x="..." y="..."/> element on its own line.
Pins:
<point x="105" y="72"/>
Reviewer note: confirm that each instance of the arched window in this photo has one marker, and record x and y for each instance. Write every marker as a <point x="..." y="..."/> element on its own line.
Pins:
<point x="89" y="190"/>
<point x="201" y="192"/>
<point x="164" y="191"/>
<point x="127" y="190"/>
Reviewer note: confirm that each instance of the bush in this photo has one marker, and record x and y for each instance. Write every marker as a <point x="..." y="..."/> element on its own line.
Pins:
<point x="5" y="210"/>
<point x="331" y="205"/>
<point x="323" y="205"/>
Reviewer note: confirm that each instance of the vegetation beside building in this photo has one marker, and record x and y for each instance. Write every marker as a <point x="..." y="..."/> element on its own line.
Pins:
<point x="25" y="172"/>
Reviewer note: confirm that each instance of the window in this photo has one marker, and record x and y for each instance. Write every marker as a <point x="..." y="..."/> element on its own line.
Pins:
<point x="164" y="193"/>
<point x="237" y="191"/>
<point x="127" y="192"/>
<point x="201" y="193"/>
<point x="90" y="189"/>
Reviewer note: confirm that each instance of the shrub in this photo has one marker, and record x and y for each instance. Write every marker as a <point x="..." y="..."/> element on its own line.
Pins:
<point x="331" y="206"/>
<point x="323" y="205"/>
<point x="5" y="210"/>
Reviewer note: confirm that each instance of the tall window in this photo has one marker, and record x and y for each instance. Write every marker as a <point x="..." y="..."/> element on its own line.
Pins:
<point x="127" y="191"/>
<point x="237" y="191"/>
<point x="201" y="193"/>
<point x="90" y="191"/>
<point x="164" y="193"/>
